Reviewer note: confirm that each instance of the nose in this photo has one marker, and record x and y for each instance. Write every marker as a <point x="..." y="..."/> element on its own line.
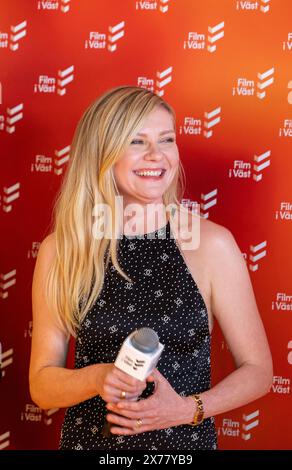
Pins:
<point x="154" y="152"/>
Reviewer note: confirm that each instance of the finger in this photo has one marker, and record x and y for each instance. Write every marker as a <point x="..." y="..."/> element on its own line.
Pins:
<point x="114" y="394"/>
<point x="130" y="414"/>
<point x="150" y="378"/>
<point x="141" y="406"/>
<point x="129" y="431"/>
<point x="157" y="375"/>
<point x="126" y="422"/>
<point x="115" y="384"/>
<point x="136" y="388"/>
<point x="128" y="379"/>
<point x="125" y="431"/>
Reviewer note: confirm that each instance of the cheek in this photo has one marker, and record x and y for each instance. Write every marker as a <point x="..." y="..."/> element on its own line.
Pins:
<point x="120" y="168"/>
<point x="125" y="164"/>
<point x="119" y="175"/>
<point x="174" y="160"/>
<point x="122" y="172"/>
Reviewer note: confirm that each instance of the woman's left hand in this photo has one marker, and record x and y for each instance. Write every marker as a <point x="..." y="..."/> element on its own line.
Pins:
<point x="163" y="409"/>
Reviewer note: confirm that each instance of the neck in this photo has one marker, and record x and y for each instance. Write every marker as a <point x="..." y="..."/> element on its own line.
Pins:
<point x="144" y="218"/>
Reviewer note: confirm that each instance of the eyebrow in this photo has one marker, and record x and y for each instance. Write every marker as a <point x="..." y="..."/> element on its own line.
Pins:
<point x="161" y="133"/>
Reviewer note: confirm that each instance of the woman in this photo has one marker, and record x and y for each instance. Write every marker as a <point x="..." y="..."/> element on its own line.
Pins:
<point x="100" y="279"/>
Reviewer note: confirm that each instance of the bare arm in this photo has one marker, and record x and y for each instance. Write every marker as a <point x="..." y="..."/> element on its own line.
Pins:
<point x="233" y="304"/>
<point x="51" y="383"/>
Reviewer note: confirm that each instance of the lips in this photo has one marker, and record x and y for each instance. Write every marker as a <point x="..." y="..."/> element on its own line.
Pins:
<point x="149" y="169"/>
<point x="157" y="173"/>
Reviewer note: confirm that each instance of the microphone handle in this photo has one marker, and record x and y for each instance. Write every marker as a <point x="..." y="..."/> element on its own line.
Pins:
<point x="106" y="429"/>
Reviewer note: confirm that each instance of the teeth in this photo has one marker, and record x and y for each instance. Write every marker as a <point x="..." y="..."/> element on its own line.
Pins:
<point x="149" y="173"/>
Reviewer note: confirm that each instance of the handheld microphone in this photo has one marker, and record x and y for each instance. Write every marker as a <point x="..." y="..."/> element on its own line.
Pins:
<point x="138" y="356"/>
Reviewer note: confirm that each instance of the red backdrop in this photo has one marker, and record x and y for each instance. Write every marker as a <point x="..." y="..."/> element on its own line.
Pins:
<point x="225" y="66"/>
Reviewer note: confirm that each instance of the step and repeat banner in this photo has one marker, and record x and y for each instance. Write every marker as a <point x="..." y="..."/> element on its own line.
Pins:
<point x="226" y="68"/>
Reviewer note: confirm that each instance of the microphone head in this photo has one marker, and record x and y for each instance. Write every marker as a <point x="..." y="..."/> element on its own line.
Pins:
<point x="145" y="340"/>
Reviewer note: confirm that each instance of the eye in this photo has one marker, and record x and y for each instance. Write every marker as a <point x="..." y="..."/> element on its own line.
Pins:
<point x="137" y="142"/>
<point x="169" y="140"/>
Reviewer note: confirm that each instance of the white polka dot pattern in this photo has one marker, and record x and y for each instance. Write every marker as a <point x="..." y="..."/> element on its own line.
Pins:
<point x="164" y="296"/>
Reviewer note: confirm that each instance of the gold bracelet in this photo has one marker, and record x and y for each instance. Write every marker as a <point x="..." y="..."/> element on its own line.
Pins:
<point x="199" y="415"/>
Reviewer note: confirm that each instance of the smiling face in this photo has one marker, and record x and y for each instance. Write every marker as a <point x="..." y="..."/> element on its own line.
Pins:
<point x="146" y="169"/>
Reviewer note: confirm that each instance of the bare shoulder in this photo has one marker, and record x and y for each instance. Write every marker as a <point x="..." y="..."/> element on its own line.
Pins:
<point x="220" y="251"/>
<point x="207" y="235"/>
<point x="45" y="257"/>
<point x="49" y="340"/>
<point x="46" y="254"/>
<point x="43" y="314"/>
<point x="48" y="246"/>
<point x="207" y="254"/>
<point x="214" y="236"/>
<point x="204" y="240"/>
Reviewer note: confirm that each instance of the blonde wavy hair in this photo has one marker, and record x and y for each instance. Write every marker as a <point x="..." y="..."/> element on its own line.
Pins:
<point x="76" y="275"/>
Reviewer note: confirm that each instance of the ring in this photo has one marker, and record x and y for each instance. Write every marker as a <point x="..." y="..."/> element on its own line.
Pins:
<point x="123" y="394"/>
<point x="139" y="422"/>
